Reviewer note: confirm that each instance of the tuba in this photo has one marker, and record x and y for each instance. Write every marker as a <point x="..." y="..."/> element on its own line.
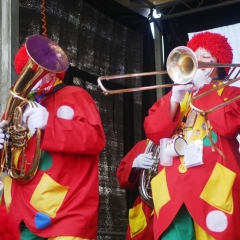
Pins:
<point x="44" y="56"/>
<point x="146" y="175"/>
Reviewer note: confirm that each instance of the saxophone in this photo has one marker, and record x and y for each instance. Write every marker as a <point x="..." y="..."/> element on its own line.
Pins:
<point x="146" y="175"/>
<point x="44" y="56"/>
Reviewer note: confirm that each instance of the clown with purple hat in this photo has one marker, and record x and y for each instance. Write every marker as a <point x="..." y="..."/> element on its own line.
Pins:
<point x="60" y="200"/>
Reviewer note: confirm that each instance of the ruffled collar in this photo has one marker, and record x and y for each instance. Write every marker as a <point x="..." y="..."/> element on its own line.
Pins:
<point x="40" y="93"/>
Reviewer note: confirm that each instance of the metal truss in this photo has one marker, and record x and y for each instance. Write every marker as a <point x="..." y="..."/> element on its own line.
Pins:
<point x="175" y="8"/>
<point x="180" y="8"/>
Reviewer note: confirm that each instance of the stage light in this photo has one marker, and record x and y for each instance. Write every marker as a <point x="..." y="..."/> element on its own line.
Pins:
<point x="156" y="14"/>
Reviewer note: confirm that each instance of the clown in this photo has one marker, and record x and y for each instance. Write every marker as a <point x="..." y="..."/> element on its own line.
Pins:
<point x="141" y="214"/>
<point x="61" y="201"/>
<point x="198" y="196"/>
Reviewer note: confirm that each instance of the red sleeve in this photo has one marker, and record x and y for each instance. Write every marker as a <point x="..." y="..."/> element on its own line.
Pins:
<point x="158" y="123"/>
<point x="83" y="133"/>
<point x="128" y="177"/>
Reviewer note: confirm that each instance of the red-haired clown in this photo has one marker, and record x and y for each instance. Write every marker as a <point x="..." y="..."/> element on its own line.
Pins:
<point x="197" y="196"/>
<point x="140" y="215"/>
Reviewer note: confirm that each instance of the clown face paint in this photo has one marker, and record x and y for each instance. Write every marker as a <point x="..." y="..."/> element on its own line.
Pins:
<point x="204" y="56"/>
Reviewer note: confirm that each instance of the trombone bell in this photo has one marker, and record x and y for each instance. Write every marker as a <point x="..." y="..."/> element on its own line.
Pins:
<point x="181" y="65"/>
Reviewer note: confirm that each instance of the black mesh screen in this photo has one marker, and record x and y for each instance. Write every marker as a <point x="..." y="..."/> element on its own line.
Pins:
<point x="99" y="45"/>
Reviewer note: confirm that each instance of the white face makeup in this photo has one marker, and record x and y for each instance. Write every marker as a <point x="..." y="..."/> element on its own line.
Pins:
<point x="48" y="77"/>
<point x="204" y="56"/>
<point x="38" y="84"/>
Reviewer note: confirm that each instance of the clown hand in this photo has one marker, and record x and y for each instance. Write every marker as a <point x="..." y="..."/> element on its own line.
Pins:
<point x="144" y="161"/>
<point x="35" y="117"/>
<point x="179" y="91"/>
<point x="2" y="135"/>
<point x="200" y="79"/>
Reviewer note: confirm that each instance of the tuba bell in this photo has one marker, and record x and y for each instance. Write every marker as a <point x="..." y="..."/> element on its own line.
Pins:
<point x="146" y="175"/>
<point x="44" y="56"/>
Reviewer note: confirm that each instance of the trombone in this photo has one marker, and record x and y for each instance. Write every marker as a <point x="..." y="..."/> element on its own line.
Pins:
<point x="181" y="67"/>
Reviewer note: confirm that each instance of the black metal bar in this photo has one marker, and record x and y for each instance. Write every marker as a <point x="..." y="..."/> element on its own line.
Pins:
<point x="111" y="233"/>
<point x="171" y="3"/>
<point x="148" y="3"/>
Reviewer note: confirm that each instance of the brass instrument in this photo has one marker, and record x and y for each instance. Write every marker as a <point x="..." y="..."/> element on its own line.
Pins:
<point x="44" y="56"/>
<point x="181" y="66"/>
<point x="204" y="112"/>
<point x="146" y="175"/>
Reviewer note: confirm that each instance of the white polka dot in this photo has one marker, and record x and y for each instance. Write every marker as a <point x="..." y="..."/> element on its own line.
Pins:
<point x="65" y="112"/>
<point x="216" y="221"/>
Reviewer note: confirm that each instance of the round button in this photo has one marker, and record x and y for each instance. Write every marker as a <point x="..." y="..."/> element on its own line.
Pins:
<point x="182" y="168"/>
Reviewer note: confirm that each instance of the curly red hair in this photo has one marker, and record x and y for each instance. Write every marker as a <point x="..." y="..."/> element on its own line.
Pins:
<point x="214" y="43"/>
<point x="21" y="59"/>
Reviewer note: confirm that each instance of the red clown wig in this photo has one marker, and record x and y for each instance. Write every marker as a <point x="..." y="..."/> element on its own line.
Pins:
<point x="21" y="59"/>
<point x="214" y="43"/>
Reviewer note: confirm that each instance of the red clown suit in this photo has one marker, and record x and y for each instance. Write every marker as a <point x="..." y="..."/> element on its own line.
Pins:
<point x="63" y="197"/>
<point x="210" y="191"/>
<point x="140" y="216"/>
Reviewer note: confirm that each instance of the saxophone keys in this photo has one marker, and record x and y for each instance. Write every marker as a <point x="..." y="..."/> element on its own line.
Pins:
<point x="182" y="168"/>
